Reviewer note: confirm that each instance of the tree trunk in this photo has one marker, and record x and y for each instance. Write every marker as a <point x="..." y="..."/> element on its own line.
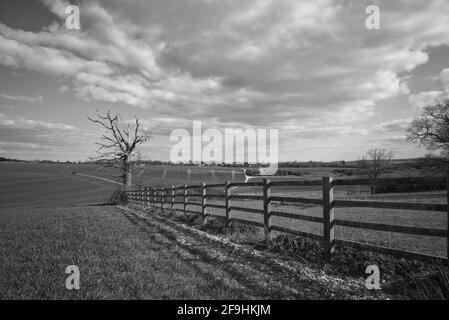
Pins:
<point x="126" y="170"/>
<point x="128" y="177"/>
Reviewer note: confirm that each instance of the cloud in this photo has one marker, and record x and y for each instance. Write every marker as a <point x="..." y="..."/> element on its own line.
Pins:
<point x="20" y="130"/>
<point x="444" y="77"/>
<point x="22" y="123"/>
<point x="47" y="60"/>
<point x="22" y="98"/>
<point x="425" y="98"/>
<point x="309" y="66"/>
<point x="428" y="98"/>
<point x="393" y="126"/>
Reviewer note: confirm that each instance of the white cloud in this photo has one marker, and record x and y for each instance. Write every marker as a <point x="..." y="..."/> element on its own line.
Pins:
<point x="22" y="123"/>
<point x="425" y="98"/>
<point x="48" y="60"/>
<point x="308" y="64"/>
<point x="397" y="125"/>
<point x="444" y="77"/>
<point x="22" y="98"/>
<point x="29" y="138"/>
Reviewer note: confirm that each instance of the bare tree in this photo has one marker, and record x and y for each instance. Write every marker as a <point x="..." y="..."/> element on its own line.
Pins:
<point x="432" y="128"/>
<point x="373" y="163"/>
<point x="119" y="143"/>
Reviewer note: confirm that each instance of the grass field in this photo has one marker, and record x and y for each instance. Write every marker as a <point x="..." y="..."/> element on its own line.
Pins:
<point x="34" y="184"/>
<point x="24" y="184"/>
<point x="116" y="260"/>
<point x="39" y="184"/>
<point x="40" y="230"/>
<point x="121" y="256"/>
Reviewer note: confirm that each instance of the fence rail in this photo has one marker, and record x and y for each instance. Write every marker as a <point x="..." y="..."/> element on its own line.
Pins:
<point x="170" y="196"/>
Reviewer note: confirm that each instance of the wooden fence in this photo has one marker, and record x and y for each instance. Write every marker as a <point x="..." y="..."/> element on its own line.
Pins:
<point x="168" y="196"/>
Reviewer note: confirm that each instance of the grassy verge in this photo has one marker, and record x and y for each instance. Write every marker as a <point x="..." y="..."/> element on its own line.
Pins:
<point x="410" y="278"/>
<point x="118" y="258"/>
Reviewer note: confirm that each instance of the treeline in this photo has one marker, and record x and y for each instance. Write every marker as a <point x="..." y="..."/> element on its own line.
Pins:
<point x="313" y="164"/>
<point x="2" y="159"/>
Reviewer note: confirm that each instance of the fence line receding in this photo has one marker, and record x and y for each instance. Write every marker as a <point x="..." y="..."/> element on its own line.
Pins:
<point x="169" y="196"/>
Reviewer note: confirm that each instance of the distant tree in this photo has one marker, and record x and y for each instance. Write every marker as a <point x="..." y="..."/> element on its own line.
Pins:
<point x="119" y="143"/>
<point x="374" y="163"/>
<point x="431" y="130"/>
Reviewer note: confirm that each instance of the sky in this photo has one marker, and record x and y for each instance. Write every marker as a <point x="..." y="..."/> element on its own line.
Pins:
<point x="311" y="69"/>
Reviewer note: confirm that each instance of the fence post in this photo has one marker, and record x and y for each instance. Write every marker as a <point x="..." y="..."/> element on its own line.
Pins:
<point x="151" y="197"/>
<point x="172" y="197"/>
<point x="203" y="201"/>
<point x="228" y="203"/>
<point x="267" y="207"/>
<point x="328" y="217"/>
<point x="154" y="197"/>
<point x="185" y="199"/>
<point x="163" y="198"/>
<point x="447" y="216"/>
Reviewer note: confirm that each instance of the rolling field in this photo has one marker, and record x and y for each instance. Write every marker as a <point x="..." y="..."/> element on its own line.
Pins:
<point x="34" y="184"/>
<point x="51" y="184"/>
<point x="178" y="175"/>
<point x="23" y="184"/>
<point x="120" y="257"/>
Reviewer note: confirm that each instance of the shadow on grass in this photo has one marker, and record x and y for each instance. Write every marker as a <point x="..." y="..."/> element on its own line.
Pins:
<point x="202" y="259"/>
<point x="412" y="278"/>
<point x="235" y="263"/>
